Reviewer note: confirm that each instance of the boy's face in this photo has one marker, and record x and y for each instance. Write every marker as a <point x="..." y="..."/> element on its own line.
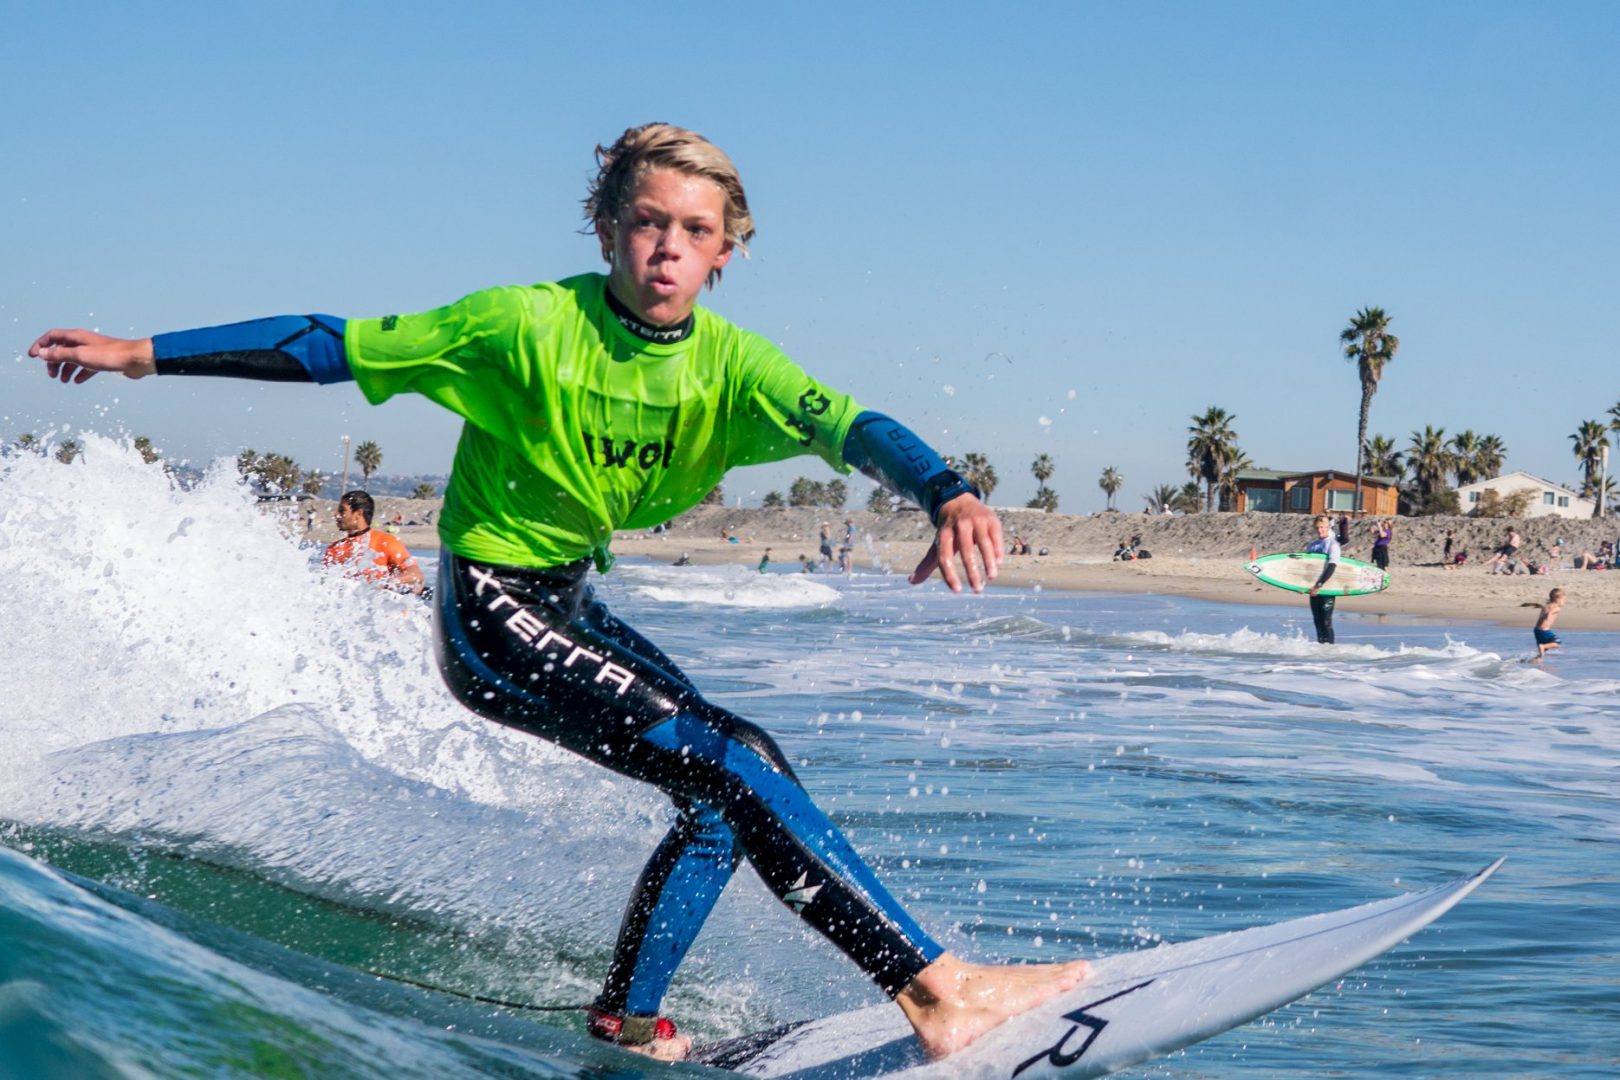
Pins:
<point x="670" y="236"/>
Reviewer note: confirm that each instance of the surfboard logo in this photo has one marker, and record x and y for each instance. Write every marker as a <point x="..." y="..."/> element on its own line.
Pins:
<point x="1061" y="1058"/>
<point x="800" y="893"/>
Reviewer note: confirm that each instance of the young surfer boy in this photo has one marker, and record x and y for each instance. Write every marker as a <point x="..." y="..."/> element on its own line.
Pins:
<point x="1322" y="606"/>
<point x="605" y="402"/>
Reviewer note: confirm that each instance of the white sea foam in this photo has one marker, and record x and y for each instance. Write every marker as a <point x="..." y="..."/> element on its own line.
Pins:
<point x="726" y="586"/>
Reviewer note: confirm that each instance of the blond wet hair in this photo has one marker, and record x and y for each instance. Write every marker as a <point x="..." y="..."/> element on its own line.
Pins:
<point x="639" y="151"/>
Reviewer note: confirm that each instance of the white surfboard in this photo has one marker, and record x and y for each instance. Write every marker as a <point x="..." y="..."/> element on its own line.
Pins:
<point x="1297" y="571"/>
<point x="1134" y="1006"/>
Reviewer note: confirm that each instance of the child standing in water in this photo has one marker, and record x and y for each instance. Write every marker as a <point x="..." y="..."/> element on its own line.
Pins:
<point x="1546" y="640"/>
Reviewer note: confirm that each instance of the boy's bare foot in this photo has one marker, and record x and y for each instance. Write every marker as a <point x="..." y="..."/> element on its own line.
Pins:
<point x="672" y="1049"/>
<point x="951" y="1003"/>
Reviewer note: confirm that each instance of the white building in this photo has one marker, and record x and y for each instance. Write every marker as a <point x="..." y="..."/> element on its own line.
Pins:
<point x="1547" y="499"/>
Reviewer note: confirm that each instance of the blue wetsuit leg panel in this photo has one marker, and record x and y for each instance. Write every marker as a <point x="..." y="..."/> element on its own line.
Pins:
<point x="532" y="649"/>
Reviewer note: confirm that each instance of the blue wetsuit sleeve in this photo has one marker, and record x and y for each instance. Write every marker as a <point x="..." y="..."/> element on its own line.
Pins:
<point x="284" y="348"/>
<point x="888" y="452"/>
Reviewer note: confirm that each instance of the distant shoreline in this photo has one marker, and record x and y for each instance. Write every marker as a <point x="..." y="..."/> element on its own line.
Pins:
<point x="1199" y="556"/>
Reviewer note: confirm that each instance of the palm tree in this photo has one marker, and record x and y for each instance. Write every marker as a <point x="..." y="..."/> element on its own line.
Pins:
<point x="1465" y="454"/>
<point x="1227" y="485"/>
<point x="1187" y="499"/>
<point x="1112" y="480"/>
<point x="1614" y="416"/>
<point x="1211" y="442"/>
<point x="424" y="491"/>
<point x="1369" y="343"/>
<point x="1160" y="499"/>
<point x="1383" y="459"/>
<point x="68" y="451"/>
<point x="1045" y="498"/>
<point x="804" y="492"/>
<point x="368" y="455"/>
<point x="977" y="470"/>
<point x="1430" y="460"/>
<point x="879" y="502"/>
<point x="143" y="446"/>
<point x="1591" y="441"/>
<point x="1489" y="457"/>
<point x="28" y="442"/>
<point x="279" y="473"/>
<point x="773" y="500"/>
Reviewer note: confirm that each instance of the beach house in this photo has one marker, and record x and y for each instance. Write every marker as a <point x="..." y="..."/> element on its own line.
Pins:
<point x="1326" y="491"/>
<point x="1547" y="499"/>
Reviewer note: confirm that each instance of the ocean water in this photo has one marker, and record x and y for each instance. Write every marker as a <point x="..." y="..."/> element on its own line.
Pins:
<point x="233" y="785"/>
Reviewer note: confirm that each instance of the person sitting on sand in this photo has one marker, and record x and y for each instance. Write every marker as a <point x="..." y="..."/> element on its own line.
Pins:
<point x="1459" y="559"/>
<point x="1125" y="552"/>
<point x="1546" y="640"/>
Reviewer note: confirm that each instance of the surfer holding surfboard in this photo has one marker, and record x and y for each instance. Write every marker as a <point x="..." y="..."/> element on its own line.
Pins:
<point x="606" y="402"/>
<point x="1326" y="545"/>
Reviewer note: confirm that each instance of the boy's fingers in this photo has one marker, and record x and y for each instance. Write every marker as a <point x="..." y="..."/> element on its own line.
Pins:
<point x="947" y="560"/>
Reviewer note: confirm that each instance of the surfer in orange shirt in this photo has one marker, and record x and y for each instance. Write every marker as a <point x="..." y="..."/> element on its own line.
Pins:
<point x="393" y="568"/>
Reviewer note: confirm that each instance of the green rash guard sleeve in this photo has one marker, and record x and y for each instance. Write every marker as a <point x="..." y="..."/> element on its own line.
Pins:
<point x="783" y="412"/>
<point x="462" y="355"/>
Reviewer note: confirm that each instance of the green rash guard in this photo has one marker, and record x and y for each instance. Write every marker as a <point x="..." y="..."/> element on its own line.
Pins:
<point x="577" y="427"/>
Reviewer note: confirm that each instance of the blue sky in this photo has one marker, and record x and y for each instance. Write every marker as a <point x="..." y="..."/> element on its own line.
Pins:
<point x="1043" y="228"/>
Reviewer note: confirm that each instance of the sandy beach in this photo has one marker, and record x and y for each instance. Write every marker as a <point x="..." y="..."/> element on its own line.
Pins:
<point x="1200" y="555"/>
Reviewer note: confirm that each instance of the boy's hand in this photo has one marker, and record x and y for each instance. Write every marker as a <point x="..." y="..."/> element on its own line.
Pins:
<point x="965" y="525"/>
<point x="74" y="355"/>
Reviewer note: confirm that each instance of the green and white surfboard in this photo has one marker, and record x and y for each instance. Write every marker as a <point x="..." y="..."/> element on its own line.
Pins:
<point x="1297" y="571"/>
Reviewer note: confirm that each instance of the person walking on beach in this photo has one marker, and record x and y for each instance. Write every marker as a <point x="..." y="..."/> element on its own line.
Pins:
<point x="765" y="560"/>
<point x="1322" y="606"/>
<point x="1497" y="563"/>
<point x="1546" y="640"/>
<point x="603" y="402"/>
<point x="1383" y="532"/>
<point x="1344" y="529"/>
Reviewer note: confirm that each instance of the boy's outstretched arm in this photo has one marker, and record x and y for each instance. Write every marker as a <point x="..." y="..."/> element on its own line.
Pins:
<point x="284" y="348"/>
<point x="889" y="453"/>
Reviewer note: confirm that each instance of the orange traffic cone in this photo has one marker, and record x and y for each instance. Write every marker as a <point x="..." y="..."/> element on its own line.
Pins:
<point x="1253" y="554"/>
